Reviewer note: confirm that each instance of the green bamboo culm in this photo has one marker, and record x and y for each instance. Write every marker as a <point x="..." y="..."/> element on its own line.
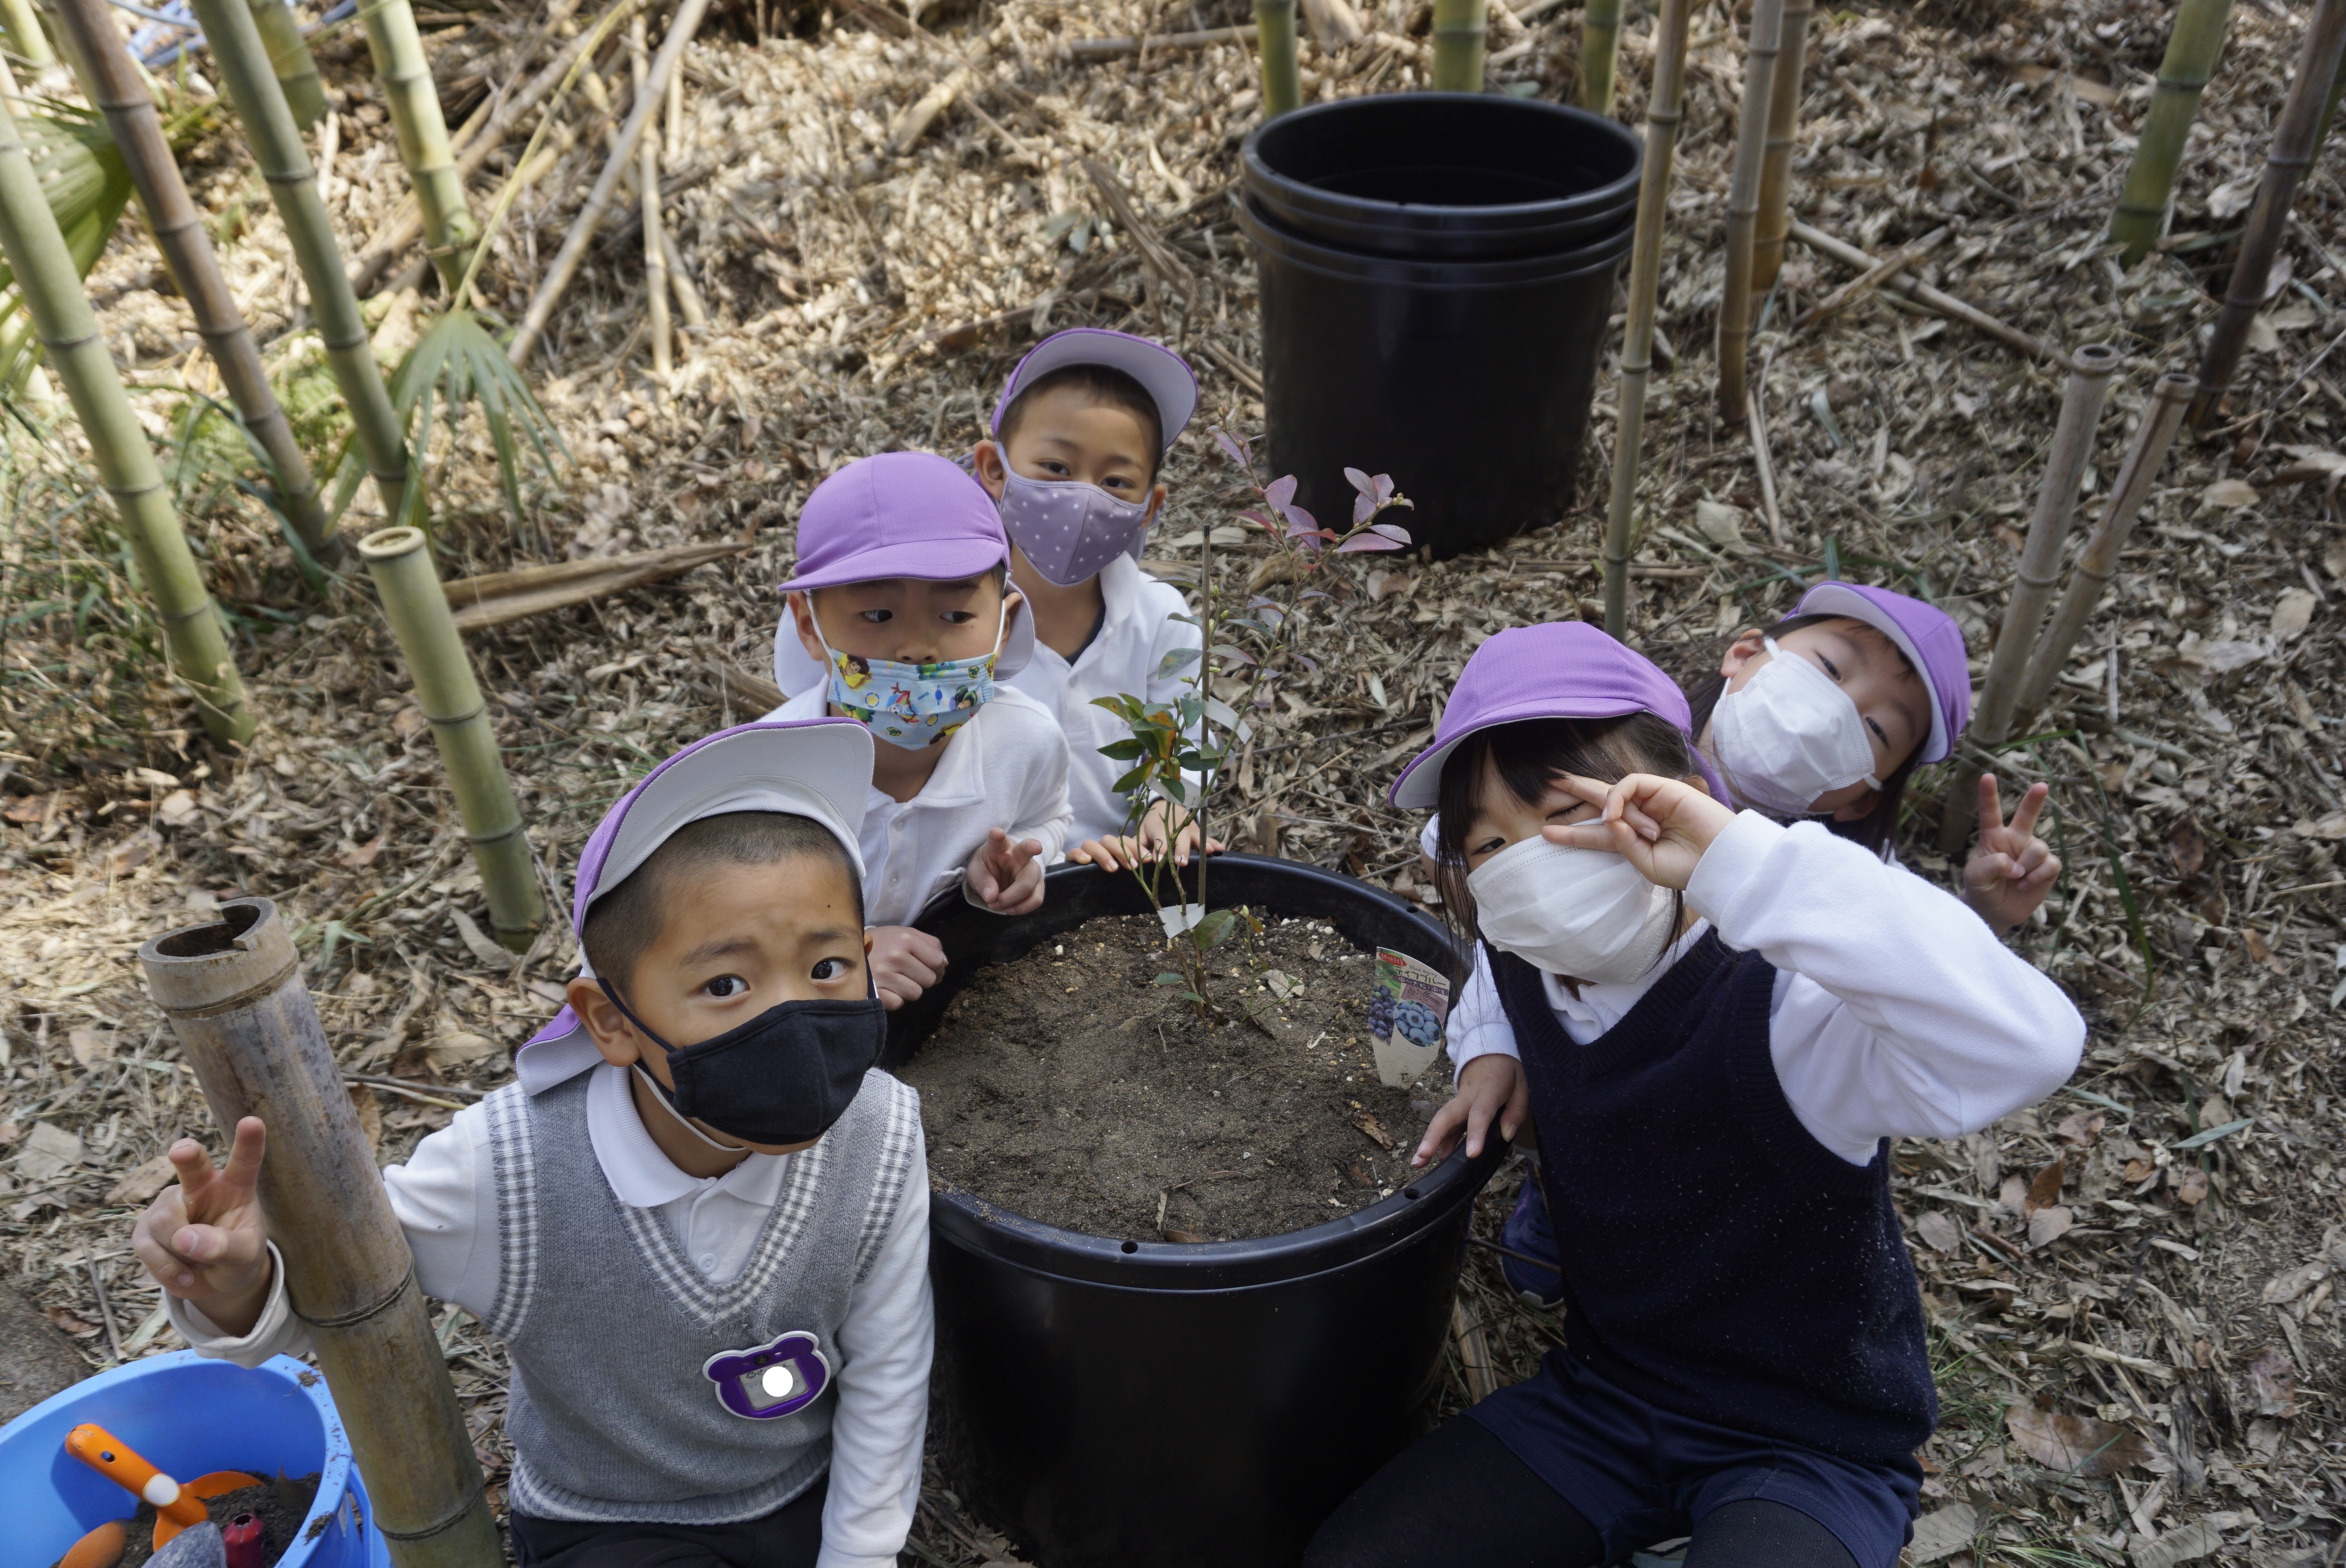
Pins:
<point x="1282" y="79"/>
<point x="1458" y="26"/>
<point x="118" y="90"/>
<point x="22" y="24"/>
<point x="289" y="60"/>
<point x="243" y="66"/>
<point x="1600" y="55"/>
<point x="2192" y="51"/>
<point x="83" y="180"/>
<point x="400" y="561"/>
<point x="1775" y="220"/>
<point x="1735" y="313"/>
<point x="44" y="268"/>
<point x="405" y="77"/>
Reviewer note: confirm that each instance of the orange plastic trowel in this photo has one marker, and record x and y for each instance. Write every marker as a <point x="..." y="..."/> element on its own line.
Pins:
<point x="177" y="1504"/>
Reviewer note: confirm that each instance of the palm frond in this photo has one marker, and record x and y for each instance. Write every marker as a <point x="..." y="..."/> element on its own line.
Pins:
<point x="455" y="362"/>
<point x="83" y="176"/>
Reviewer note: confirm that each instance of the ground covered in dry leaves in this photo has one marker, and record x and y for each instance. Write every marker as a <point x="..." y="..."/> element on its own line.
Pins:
<point x="2154" y="1248"/>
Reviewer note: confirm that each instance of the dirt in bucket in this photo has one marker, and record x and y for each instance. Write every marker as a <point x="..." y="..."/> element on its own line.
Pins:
<point x="1068" y="1087"/>
<point x="281" y="1502"/>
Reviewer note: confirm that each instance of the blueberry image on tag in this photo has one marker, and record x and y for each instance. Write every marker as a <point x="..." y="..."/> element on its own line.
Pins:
<point x="772" y="1380"/>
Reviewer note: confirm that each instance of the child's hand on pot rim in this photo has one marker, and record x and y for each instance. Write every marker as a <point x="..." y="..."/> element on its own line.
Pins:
<point x="904" y="963"/>
<point x="1490" y="1086"/>
<point x="1009" y="876"/>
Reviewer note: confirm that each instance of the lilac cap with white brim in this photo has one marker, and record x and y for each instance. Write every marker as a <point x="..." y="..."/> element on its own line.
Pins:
<point x="818" y="768"/>
<point x="1558" y="669"/>
<point x="1163" y="374"/>
<point x="1928" y="636"/>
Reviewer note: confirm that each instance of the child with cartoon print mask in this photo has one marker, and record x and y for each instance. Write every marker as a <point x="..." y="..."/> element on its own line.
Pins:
<point x="901" y="616"/>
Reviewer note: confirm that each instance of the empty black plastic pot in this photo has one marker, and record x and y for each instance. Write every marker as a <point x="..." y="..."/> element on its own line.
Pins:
<point x="1469" y="176"/>
<point x="1468" y="381"/>
<point x="1116" y="1402"/>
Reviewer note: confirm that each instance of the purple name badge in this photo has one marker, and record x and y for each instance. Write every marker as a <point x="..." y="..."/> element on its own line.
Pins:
<point x="770" y="1381"/>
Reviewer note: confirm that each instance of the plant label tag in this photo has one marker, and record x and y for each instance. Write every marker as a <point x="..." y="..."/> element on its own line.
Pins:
<point x="1407" y="1007"/>
<point x="770" y="1381"/>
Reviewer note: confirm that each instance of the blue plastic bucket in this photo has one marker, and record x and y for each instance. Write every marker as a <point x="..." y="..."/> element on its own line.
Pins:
<point x="186" y="1416"/>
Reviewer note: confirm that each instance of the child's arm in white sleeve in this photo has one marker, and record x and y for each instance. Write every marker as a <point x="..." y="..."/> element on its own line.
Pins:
<point x="883" y="1394"/>
<point x="1478" y="1025"/>
<point x="1043" y="812"/>
<point x="451" y="1229"/>
<point x="1898" y="1014"/>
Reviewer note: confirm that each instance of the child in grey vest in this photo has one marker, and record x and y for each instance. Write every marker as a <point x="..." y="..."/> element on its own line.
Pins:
<point x="698" y="1220"/>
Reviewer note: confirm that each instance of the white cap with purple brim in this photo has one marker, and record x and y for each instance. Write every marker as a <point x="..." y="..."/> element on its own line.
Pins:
<point x="818" y="768"/>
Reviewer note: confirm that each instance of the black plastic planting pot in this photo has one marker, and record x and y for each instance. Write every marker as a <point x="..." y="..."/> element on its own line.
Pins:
<point x="1124" y="1403"/>
<point x="1451" y="346"/>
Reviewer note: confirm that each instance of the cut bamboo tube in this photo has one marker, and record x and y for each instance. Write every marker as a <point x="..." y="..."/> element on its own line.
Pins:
<point x="2192" y="51"/>
<point x="2285" y="165"/>
<point x="1459" y="26"/>
<point x="405" y="76"/>
<point x="22" y="24"/>
<point x="417" y="608"/>
<point x="1930" y="298"/>
<point x="647" y="191"/>
<point x="493" y="598"/>
<point x="51" y="289"/>
<point x="1743" y="205"/>
<point x="567" y="260"/>
<point x="2097" y="563"/>
<point x="1776" y="159"/>
<point x="119" y="90"/>
<point x="1600" y="54"/>
<point x="276" y="142"/>
<point x="288" y="59"/>
<point x="1663" y="111"/>
<point x="234" y="993"/>
<point x="1282" y="79"/>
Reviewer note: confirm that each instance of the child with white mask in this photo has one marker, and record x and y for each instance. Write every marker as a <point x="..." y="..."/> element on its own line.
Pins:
<point x="1076" y="462"/>
<point x="1717" y="1023"/>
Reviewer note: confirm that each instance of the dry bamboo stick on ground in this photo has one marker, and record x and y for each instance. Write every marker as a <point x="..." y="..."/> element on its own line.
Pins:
<point x="1930" y="298"/>
<point x="687" y="294"/>
<point x="1333" y="25"/>
<point x="1888" y="267"/>
<point x="565" y="264"/>
<point x="1743" y="205"/>
<point x="234" y="994"/>
<point x="120" y="91"/>
<point x="2033" y="580"/>
<point x="1664" y="110"/>
<point x="1474" y="1352"/>
<point x="2097" y="563"/>
<point x="2285" y="165"/>
<point x="1089" y="50"/>
<point x="497" y="597"/>
<point x="1776" y="159"/>
<point x="648" y="194"/>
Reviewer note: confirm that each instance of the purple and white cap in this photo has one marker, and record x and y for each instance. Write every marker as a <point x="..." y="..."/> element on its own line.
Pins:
<point x="819" y="768"/>
<point x="1163" y="374"/>
<point x="1928" y="636"/>
<point x="1558" y="669"/>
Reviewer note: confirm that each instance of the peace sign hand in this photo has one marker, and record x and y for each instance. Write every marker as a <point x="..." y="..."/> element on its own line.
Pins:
<point x="1661" y="826"/>
<point x="2012" y="870"/>
<point x="205" y="1240"/>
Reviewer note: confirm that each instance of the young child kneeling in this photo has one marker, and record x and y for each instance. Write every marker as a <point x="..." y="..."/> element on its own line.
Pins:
<point x="901" y="616"/>
<point x="699" y="1219"/>
<point x="1717" y="1024"/>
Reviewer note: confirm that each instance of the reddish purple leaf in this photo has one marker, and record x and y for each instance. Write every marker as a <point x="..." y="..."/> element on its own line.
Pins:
<point x="1299" y="521"/>
<point x="1360" y="482"/>
<point x="1393" y="531"/>
<point x="1385" y="488"/>
<point x="1236" y="451"/>
<point x="1280" y="491"/>
<point x="1364" y="506"/>
<point x="1365" y="542"/>
<point x="1260" y="520"/>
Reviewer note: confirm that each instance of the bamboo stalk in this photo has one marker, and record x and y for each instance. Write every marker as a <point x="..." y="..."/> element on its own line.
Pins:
<point x="567" y="260"/>
<point x="1089" y="50"/>
<point x="2193" y="49"/>
<point x="449" y="232"/>
<point x="1776" y="159"/>
<point x="117" y="89"/>
<point x="2285" y="165"/>
<point x="51" y="289"/>
<point x="1930" y="298"/>
<point x="288" y="59"/>
<point x="647" y="191"/>
<point x="22" y="24"/>
<point x="1665" y="111"/>
<point x="417" y="608"/>
<point x="1600" y="54"/>
<point x="1458" y="31"/>
<point x="1282" y="79"/>
<point x="1887" y="267"/>
<point x="1743" y="205"/>
<point x="234" y="993"/>
<point x="276" y="142"/>
<point x="2097" y="563"/>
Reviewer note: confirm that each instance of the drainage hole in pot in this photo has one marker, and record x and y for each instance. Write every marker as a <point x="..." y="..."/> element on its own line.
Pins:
<point x="1132" y="1247"/>
<point x="1068" y="1086"/>
<point x="1409" y="1192"/>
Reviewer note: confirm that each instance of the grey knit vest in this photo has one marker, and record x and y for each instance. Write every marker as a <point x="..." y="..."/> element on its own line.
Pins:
<point x="610" y="1327"/>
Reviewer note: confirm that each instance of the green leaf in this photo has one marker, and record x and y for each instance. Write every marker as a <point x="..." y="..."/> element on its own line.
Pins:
<point x="2198" y="1140"/>
<point x="1121" y="750"/>
<point x="457" y="362"/>
<point x="1175" y="661"/>
<point x="1214" y="930"/>
<point x="1168" y="977"/>
<point x="1130" y="781"/>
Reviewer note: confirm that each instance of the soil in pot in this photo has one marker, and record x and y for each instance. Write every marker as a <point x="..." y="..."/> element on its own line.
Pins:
<point x="281" y="1502"/>
<point x="1068" y="1087"/>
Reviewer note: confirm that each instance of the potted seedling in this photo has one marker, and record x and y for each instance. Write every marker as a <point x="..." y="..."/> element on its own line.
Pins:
<point x="1190" y="1292"/>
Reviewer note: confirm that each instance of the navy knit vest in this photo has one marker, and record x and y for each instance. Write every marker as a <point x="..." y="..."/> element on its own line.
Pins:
<point x="1718" y="1262"/>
